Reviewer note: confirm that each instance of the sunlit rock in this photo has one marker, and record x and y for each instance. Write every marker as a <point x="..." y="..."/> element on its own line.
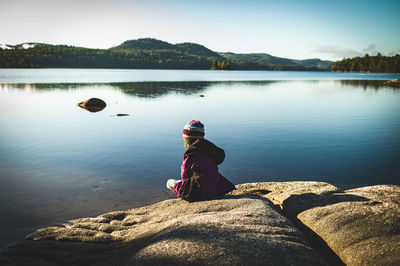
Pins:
<point x="237" y="230"/>
<point x="278" y="192"/>
<point x="393" y="83"/>
<point x="93" y="104"/>
<point x="257" y="224"/>
<point x="362" y="226"/>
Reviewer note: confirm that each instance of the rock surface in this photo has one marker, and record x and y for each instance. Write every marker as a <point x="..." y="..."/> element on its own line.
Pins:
<point x="228" y="231"/>
<point x="393" y="83"/>
<point x="278" y="192"/>
<point x="93" y="104"/>
<point x="360" y="226"/>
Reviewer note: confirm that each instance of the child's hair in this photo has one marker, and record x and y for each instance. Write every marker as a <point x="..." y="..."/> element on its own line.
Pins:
<point x="189" y="140"/>
<point x="192" y="131"/>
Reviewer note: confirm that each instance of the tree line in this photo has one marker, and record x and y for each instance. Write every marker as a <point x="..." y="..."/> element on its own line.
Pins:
<point x="221" y="65"/>
<point x="183" y="56"/>
<point x="378" y="64"/>
<point x="61" y="56"/>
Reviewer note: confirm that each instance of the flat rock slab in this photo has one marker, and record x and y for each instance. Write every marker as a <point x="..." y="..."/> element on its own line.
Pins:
<point x="278" y="192"/>
<point x="234" y="230"/>
<point x="361" y="226"/>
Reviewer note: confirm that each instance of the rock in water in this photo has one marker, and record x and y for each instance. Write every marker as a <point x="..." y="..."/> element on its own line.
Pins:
<point x="93" y="104"/>
<point x="393" y="83"/>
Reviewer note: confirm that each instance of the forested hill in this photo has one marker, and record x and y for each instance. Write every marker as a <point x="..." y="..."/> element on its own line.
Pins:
<point x="145" y="54"/>
<point x="277" y="62"/>
<point x="157" y="45"/>
<point x="378" y="63"/>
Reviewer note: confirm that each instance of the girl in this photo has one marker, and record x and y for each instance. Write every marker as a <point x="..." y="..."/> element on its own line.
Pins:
<point x="200" y="178"/>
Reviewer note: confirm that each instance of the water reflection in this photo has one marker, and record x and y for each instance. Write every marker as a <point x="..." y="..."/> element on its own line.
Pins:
<point x="59" y="162"/>
<point x="158" y="89"/>
<point x="38" y="87"/>
<point x="376" y="84"/>
<point x="138" y="89"/>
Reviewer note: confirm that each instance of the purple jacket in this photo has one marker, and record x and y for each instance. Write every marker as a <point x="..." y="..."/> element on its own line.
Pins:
<point x="203" y="157"/>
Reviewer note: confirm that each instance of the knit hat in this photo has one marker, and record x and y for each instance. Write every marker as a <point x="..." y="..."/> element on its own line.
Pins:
<point x="194" y="129"/>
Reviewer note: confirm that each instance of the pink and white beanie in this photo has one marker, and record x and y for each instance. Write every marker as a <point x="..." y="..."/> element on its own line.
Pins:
<point x="194" y="129"/>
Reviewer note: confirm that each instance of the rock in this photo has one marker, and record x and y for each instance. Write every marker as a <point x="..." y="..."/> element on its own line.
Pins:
<point x="233" y="230"/>
<point x="362" y="226"/>
<point x="393" y="83"/>
<point x="121" y="115"/>
<point x="93" y="104"/>
<point x="356" y="227"/>
<point x="278" y="192"/>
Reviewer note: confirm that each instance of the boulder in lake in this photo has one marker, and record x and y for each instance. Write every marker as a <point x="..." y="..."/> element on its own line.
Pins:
<point x="93" y="104"/>
<point x="393" y="83"/>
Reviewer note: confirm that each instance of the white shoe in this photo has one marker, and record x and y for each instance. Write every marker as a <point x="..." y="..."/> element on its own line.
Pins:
<point x="171" y="183"/>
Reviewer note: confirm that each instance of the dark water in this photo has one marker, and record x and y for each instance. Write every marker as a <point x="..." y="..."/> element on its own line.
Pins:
<point x="58" y="161"/>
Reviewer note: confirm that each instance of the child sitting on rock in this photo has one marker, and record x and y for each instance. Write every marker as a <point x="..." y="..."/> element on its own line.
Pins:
<point x="200" y="178"/>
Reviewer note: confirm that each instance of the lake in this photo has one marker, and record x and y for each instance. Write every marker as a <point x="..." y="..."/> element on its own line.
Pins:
<point x="59" y="161"/>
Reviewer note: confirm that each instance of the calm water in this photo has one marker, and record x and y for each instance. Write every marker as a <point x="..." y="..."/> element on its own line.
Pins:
<point x="58" y="161"/>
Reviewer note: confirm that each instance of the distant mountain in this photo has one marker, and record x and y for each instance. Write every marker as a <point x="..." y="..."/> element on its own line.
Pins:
<point x="145" y="44"/>
<point x="197" y="49"/>
<point x="267" y="59"/>
<point x="154" y="44"/>
<point x="146" y="53"/>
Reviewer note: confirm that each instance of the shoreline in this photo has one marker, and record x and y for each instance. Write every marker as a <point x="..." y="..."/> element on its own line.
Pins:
<point x="333" y="225"/>
<point x="17" y="234"/>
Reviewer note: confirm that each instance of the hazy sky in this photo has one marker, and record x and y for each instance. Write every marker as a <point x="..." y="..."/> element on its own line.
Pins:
<point x="287" y="28"/>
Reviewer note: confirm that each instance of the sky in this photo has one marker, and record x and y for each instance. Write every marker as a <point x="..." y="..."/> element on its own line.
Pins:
<point x="329" y="30"/>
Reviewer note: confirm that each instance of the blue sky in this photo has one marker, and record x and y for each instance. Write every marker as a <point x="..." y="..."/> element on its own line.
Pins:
<point x="293" y="29"/>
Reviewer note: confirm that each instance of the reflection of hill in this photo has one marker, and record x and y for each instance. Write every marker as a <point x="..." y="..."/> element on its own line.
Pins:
<point x="138" y="89"/>
<point x="376" y="84"/>
<point x="157" y="89"/>
<point x="45" y="86"/>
